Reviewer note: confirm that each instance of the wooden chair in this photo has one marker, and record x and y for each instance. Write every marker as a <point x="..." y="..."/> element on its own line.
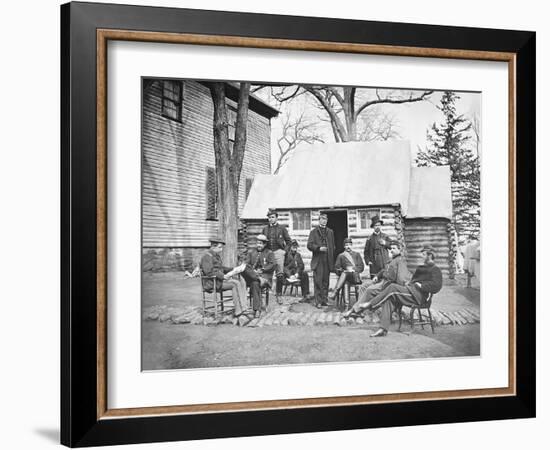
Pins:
<point x="264" y="290"/>
<point x="341" y="301"/>
<point x="426" y="305"/>
<point x="294" y="286"/>
<point x="215" y="299"/>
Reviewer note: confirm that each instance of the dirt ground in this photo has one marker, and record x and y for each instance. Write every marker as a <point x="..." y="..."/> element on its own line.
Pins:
<point x="170" y="346"/>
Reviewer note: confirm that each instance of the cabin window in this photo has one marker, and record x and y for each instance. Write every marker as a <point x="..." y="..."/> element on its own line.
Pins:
<point x="172" y="99"/>
<point x="364" y="217"/>
<point x="211" y="194"/>
<point x="301" y="220"/>
<point x="248" y="186"/>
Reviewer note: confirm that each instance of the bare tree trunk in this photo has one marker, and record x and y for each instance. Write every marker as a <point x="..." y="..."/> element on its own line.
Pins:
<point x="228" y="165"/>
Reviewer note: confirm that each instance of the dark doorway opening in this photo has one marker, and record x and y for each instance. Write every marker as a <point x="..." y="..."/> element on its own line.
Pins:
<point x="338" y="222"/>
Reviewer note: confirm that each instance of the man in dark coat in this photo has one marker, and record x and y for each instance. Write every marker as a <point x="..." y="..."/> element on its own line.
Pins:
<point x="278" y="241"/>
<point x="260" y="265"/>
<point x="294" y="267"/>
<point x="349" y="266"/>
<point x="376" y="248"/>
<point x="211" y="266"/>
<point x="395" y="272"/>
<point x="427" y="279"/>
<point x="321" y="244"/>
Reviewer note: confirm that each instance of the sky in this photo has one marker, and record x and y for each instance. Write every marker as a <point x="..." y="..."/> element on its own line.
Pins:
<point x="411" y="120"/>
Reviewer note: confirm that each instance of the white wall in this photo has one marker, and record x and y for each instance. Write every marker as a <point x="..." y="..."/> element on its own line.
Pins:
<point x="29" y="185"/>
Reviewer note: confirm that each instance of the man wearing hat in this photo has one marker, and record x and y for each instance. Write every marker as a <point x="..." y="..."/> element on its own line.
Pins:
<point x="211" y="266"/>
<point x="395" y="272"/>
<point x="349" y="266"/>
<point x="376" y="248"/>
<point x="321" y="244"/>
<point x="427" y="279"/>
<point x="278" y="241"/>
<point x="260" y="265"/>
<point x="294" y="267"/>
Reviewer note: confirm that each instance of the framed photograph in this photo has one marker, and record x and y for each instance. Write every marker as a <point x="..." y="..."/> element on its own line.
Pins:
<point x="279" y="224"/>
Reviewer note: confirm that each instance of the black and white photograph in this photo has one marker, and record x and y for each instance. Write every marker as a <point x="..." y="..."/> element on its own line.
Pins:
<point x="297" y="224"/>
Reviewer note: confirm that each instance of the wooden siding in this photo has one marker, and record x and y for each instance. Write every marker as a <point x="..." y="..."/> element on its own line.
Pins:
<point x="419" y="232"/>
<point x="175" y="158"/>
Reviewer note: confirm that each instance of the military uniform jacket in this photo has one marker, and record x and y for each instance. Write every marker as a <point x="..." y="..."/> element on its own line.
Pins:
<point x="264" y="260"/>
<point x="342" y="262"/>
<point x="315" y="242"/>
<point x="277" y="237"/>
<point x="211" y="266"/>
<point x="395" y="272"/>
<point x="294" y="264"/>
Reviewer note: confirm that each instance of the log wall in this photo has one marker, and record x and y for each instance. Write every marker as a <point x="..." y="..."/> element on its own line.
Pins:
<point x="419" y="232"/>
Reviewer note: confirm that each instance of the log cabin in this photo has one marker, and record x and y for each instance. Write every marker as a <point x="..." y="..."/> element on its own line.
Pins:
<point x="352" y="182"/>
<point x="178" y="169"/>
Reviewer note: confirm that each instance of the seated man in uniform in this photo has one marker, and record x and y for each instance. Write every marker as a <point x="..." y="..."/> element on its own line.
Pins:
<point x="348" y="267"/>
<point x="294" y="270"/>
<point x="260" y="265"/>
<point x="211" y="266"/>
<point x="427" y="279"/>
<point x="395" y="272"/>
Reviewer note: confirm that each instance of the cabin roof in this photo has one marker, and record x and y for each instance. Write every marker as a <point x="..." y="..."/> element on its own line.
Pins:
<point x="352" y="174"/>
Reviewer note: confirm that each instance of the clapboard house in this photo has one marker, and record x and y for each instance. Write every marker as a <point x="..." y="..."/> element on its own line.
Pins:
<point x="178" y="170"/>
<point x="352" y="182"/>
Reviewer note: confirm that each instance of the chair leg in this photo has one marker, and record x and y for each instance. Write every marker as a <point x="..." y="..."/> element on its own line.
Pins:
<point x="400" y="318"/>
<point x="431" y="320"/>
<point x="412" y="318"/>
<point x="420" y="318"/>
<point x="221" y="301"/>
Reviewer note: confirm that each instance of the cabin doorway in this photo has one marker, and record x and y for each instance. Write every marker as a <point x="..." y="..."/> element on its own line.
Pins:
<point x="338" y="222"/>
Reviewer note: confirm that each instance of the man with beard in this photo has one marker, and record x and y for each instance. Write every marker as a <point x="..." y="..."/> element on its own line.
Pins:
<point x="260" y="265"/>
<point x="376" y="248"/>
<point x="321" y="244"/>
<point x="349" y="266"/>
<point x="294" y="269"/>
<point x="395" y="272"/>
<point x="211" y="266"/>
<point x="427" y="279"/>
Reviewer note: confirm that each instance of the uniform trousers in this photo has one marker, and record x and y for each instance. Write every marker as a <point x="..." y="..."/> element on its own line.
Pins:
<point x="238" y="287"/>
<point x="321" y="278"/>
<point x="279" y="267"/>
<point x="392" y="297"/>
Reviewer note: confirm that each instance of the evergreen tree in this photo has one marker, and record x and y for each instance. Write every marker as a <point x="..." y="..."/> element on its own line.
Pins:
<point x="449" y="144"/>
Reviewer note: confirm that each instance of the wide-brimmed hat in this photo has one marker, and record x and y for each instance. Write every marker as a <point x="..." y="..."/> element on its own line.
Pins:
<point x="271" y="211"/>
<point x="348" y="241"/>
<point x="393" y="242"/>
<point x="261" y="237"/>
<point x="216" y="240"/>
<point x="375" y="220"/>
<point x="294" y="243"/>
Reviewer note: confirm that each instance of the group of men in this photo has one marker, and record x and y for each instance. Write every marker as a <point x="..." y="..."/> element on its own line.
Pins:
<point x="391" y="285"/>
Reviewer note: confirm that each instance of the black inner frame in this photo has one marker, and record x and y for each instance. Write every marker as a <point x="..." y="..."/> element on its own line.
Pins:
<point x="79" y="425"/>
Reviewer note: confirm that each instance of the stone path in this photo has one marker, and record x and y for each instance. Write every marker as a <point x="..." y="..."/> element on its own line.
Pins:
<point x="293" y="313"/>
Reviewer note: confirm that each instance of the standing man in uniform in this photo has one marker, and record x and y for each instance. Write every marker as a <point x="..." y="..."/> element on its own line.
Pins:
<point x="278" y="241"/>
<point x="376" y="248"/>
<point x="321" y="244"/>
